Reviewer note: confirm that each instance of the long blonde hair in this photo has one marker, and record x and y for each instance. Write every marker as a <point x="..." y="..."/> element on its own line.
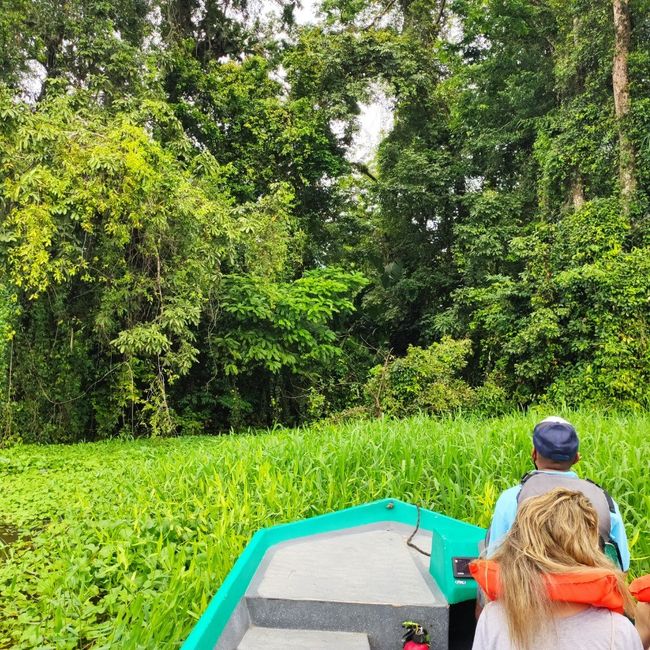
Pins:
<point x="556" y="532"/>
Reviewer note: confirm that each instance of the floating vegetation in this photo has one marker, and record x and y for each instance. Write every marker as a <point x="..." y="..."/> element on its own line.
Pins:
<point x="129" y="540"/>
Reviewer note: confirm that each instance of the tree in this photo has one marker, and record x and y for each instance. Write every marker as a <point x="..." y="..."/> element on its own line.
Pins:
<point x="183" y="238"/>
<point x="620" y="83"/>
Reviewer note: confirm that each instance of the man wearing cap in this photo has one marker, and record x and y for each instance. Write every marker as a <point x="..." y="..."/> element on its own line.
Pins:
<point x="555" y="451"/>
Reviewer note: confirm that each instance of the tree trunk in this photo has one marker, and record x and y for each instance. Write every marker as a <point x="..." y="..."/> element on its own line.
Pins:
<point x="577" y="87"/>
<point x="577" y="192"/>
<point x="620" y="83"/>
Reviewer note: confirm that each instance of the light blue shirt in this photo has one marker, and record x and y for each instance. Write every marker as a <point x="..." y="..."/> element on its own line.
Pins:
<point x="505" y="512"/>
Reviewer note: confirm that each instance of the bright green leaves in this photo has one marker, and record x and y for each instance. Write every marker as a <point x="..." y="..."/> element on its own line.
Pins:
<point x="270" y="243"/>
<point x="133" y="241"/>
<point x="97" y="209"/>
<point x="576" y="144"/>
<point x="424" y="380"/>
<point x="130" y="540"/>
<point x="542" y="241"/>
<point x="264" y="136"/>
<point x="598" y="230"/>
<point x="431" y="380"/>
<point x="284" y="326"/>
<point x="483" y="237"/>
<point x="574" y="327"/>
<point x="607" y="335"/>
<point x="276" y="350"/>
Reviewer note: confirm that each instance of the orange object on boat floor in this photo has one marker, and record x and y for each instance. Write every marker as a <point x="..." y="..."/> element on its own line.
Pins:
<point x="597" y="588"/>
<point x="640" y="589"/>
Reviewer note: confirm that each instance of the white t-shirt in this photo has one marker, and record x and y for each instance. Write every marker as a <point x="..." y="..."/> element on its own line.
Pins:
<point x="591" y="629"/>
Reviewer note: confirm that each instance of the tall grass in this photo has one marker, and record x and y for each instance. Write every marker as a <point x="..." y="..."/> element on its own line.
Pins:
<point x="122" y="544"/>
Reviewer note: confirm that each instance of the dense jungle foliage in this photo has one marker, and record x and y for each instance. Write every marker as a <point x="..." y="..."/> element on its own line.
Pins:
<point x="186" y="242"/>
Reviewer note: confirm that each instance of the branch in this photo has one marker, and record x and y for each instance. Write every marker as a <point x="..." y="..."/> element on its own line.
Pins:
<point x="364" y="170"/>
<point x="440" y="16"/>
<point x="380" y="15"/>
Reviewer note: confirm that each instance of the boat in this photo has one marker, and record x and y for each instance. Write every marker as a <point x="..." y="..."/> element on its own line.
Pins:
<point x="347" y="580"/>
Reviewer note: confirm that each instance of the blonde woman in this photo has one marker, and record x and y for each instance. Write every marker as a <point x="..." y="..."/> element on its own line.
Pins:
<point x="553" y="587"/>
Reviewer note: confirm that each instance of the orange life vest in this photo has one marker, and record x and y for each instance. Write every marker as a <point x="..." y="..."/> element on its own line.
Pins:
<point x="597" y="588"/>
<point x="640" y="589"/>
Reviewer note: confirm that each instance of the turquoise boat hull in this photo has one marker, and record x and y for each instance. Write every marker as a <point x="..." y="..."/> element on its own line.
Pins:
<point x="450" y="539"/>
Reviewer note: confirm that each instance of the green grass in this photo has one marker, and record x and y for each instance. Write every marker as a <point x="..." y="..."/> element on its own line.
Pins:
<point x="122" y="544"/>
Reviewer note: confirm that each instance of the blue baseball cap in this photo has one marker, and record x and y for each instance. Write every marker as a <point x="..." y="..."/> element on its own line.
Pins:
<point x="556" y="439"/>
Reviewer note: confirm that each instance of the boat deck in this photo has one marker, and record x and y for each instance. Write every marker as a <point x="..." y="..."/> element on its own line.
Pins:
<point x="363" y="581"/>
<point x="373" y="565"/>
